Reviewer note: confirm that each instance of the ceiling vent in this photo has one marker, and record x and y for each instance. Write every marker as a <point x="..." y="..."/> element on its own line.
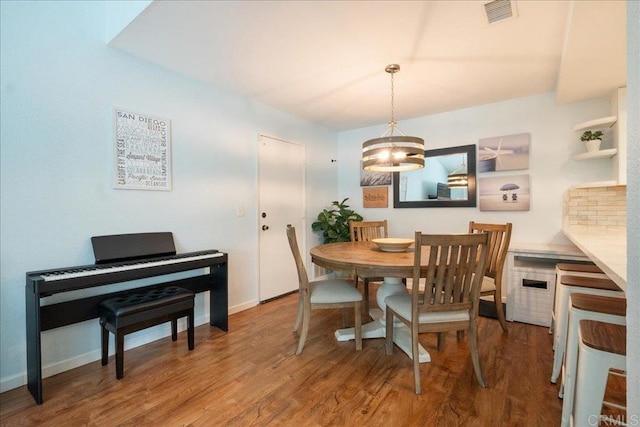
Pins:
<point x="500" y="10"/>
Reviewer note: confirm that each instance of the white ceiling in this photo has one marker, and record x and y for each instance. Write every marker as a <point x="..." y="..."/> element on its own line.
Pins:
<point x="324" y="61"/>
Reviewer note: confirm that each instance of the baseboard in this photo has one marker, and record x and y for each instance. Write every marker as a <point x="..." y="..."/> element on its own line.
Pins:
<point x="242" y="307"/>
<point x="13" y="381"/>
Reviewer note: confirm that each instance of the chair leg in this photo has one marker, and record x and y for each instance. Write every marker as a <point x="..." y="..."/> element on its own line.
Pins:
<point x="416" y="358"/>
<point x="190" y="330"/>
<point x="440" y="340"/>
<point x="299" y="315"/>
<point x="497" y="299"/>
<point x="475" y="356"/>
<point x="389" y="332"/>
<point x="358" y="325"/>
<point x="306" y="318"/>
<point x="365" y="291"/>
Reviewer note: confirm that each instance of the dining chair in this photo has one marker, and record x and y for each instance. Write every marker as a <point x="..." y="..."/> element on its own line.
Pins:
<point x="365" y="231"/>
<point x="329" y="293"/>
<point x="500" y="236"/>
<point x="455" y="267"/>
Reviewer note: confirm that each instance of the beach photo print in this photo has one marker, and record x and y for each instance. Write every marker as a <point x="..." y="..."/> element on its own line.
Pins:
<point x="503" y="153"/>
<point x="504" y="193"/>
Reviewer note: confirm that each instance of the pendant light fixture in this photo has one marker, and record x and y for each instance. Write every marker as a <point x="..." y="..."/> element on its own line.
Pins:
<point x="458" y="178"/>
<point x="393" y="153"/>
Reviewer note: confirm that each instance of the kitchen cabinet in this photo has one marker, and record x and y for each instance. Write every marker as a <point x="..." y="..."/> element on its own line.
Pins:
<point x="531" y="280"/>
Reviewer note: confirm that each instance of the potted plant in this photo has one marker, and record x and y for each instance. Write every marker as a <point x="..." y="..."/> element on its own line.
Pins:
<point x="592" y="139"/>
<point x="334" y="223"/>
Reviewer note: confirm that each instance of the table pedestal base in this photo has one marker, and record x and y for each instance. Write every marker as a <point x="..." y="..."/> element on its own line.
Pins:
<point x="377" y="329"/>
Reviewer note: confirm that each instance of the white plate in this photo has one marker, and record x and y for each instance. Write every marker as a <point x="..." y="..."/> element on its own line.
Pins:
<point x="392" y="244"/>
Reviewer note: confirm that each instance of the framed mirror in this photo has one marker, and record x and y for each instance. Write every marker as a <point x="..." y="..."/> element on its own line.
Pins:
<point x="448" y="179"/>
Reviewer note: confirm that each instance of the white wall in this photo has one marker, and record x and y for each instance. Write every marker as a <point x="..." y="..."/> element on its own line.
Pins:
<point x="59" y="83"/>
<point x="633" y="212"/>
<point x="551" y="168"/>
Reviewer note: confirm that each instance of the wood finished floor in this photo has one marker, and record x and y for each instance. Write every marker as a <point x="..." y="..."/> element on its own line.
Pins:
<point x="250" y="376"/>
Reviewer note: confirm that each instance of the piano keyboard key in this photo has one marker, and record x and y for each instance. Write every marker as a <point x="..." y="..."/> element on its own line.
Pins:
<point x="71" y="274"/>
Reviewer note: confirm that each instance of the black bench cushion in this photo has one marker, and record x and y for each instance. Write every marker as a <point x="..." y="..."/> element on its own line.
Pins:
<point x="140" y="302"/>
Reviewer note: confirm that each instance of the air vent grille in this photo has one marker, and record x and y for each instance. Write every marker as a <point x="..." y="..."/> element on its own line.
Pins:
<point x="498" y="10"/>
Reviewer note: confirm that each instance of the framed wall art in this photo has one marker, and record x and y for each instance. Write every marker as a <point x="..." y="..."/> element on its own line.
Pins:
<point x="370" y="178"/>
<point x="375" y="197"/>
<point x="504" y="193"/>
<point x="142" y="151"/>
<point x="502" y="153"/>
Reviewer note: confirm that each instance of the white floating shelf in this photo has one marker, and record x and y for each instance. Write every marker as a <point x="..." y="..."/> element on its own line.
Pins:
<point x="600" y="154"/>
<point x="603" y="123"/>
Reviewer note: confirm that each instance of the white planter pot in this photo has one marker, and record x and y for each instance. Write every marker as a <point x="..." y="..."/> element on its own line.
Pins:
<point x="593" y="145"/>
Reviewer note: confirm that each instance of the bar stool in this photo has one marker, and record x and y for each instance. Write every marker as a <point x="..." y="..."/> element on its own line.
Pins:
<point x="602" y="348"/>
<point x="582" y="270"/>
<point x="568" y="285"/>
<point x="584" y="307"/>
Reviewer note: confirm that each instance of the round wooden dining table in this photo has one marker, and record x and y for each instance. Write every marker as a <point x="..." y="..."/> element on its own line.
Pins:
<point x="365" y="259"/>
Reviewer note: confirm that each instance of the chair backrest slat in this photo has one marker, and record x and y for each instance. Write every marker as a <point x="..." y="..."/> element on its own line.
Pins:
<point x="365" y="231"/>
<point x="455" y="270"/>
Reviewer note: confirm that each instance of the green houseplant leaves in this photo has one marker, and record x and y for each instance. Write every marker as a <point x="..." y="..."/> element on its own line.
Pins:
<point x="334" y="223"/>
<point x="590" y="136"/>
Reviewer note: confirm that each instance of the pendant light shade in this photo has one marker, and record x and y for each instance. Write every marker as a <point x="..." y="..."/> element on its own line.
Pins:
<point x="393" y="153"/>
<point x="458" y="178"/>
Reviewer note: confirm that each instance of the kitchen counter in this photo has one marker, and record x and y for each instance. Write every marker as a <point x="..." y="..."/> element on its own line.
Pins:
<point x="605" y="246"/>
<point x="568" y="252"/>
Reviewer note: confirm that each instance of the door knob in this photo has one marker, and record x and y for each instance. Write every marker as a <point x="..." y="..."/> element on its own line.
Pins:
<point x="265" y="227"/>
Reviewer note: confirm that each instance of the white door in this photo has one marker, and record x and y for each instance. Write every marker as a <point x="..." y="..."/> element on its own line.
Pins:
<point x="280" y="202"/>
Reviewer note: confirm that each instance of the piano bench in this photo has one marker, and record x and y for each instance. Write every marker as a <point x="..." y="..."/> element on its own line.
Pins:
<point x="134" y="312"/>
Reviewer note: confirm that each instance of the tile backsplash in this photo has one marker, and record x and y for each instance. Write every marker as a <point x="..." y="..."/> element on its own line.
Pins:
<point x="595" y="206"/>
